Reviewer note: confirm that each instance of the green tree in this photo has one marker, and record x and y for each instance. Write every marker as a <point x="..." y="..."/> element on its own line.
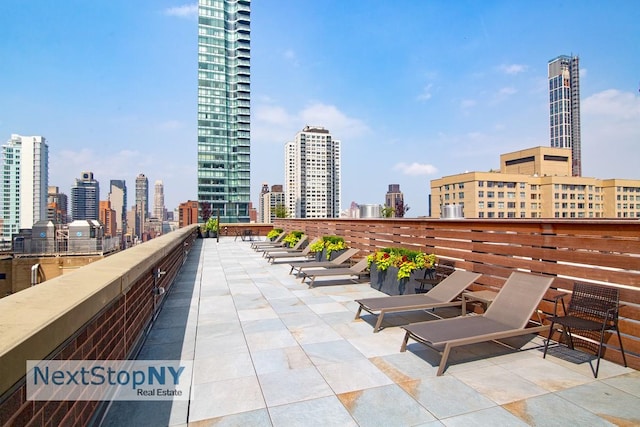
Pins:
<point x="281" y="211"/>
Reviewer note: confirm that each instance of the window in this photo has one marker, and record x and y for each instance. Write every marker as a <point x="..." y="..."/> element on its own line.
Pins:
<point x="490" y="194"/>
<point x="480" y="193"/>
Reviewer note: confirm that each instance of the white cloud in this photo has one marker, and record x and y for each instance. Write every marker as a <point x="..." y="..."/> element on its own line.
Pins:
<point x="416" y="169"/>
<point x="341" y="126"/>
<point x="426" y="93"/>
<point x="184" y="11"/>
<point x="468" y="103"/>
<point x="513" y="68"/>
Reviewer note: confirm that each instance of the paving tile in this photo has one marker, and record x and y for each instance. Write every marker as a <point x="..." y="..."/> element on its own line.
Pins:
<point x="552" y="409"/>
<point x="258" y="417"/>
<point x="446" y="396"/>
<point x="265" y="325"/>
<point x="280" y="359"/>
<point x="325" y="411"/>
<point x="220" y="398"/>
<point x="270" y="339"/>
<point x="353" y="375"/>
<point x="222" y="367"/>
<point x="495" y="416"/>
<point x="314" y="334"/>
<point x="384" y="406"/>
<point x="257" y="314"/>
<point x="332" y="352"/>
<point x="546" y="374"/>
<point x="499" y="384"/>
<point x="610" y="403"/>
<point x="629" y="383"/>
<point x="297" y="385"/>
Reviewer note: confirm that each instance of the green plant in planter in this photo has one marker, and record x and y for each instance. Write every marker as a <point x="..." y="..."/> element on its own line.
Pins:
<point x="212" y="225"/>
<point x="328" y="244"/>
<point x="405" y="260"/>
<point x="292" y="238"/>
<point x="274" y="233"/>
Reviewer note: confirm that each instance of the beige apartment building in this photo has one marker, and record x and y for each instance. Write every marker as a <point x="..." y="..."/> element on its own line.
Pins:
<point x="536" y="183"/>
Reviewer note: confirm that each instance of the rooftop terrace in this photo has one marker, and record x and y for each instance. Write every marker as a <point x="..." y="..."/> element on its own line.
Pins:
<point x="268" y="350"/>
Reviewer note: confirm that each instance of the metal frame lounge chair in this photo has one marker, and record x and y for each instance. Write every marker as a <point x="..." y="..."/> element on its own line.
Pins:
<point x="339" y="262"/>
<point x="306" y="252"/>
<point x="506" y="317"/>
<point x="269" y="243"/>
<point x="442" y="295"/>
<point x="295" y="248"/>
<point x="356" y="270"/>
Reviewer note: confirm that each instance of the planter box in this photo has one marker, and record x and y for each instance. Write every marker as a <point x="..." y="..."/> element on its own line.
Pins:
<point x="322" y="256"/>
<point x="387" y="281"/>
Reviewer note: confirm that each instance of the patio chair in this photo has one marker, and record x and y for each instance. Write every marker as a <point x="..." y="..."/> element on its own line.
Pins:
<point x="295" y="248"/>
<point x="591" y="308"/>
<point x="306" y="252"/>
<point x="339" y="261"/>
<point x="506" y="317"/>
<point x="442" y="295"/>
<point x="356" y="270"/>
<point x="275" y="242"/>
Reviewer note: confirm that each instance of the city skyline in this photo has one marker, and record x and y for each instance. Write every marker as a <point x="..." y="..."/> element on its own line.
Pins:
<point x="412" y="96"/>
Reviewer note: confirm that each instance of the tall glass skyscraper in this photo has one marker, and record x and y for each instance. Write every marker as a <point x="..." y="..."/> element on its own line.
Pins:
<point x="85" y="197"/>
<point x="564" y="107"/>
<point x="224" y="94"/>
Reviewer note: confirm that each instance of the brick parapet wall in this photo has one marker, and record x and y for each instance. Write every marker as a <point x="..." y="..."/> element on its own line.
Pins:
<point x="113" y="332"/>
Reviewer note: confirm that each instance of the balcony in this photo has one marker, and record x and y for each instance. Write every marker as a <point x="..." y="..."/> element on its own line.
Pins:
<point x="268" y="350"/>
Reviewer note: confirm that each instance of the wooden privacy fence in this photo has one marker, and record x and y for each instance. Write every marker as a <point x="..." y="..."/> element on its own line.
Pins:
<point x="600" y="251"/>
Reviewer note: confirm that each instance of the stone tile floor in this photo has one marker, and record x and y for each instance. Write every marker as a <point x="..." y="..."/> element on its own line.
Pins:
<point x="269" y="351"/>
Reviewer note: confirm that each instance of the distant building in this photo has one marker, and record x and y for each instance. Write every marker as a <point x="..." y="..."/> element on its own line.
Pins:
<point x="269" y="201"/>
<point x="564" y="107"/>
<point x="312" y="174"/>
<point x="142" y="204"/>
<point x="57" y="205"/>
<point x="224" y="115"/>
<point x="536" y="183"/>
<point x="188" y="213"/>
<point x="25" y="174"/>
<point x="159" y="210"/>
<point x="85" y="197"/>
<point x="395" y="199"/>
<point x="108" y="218"/>
<point x="118" y="199"/>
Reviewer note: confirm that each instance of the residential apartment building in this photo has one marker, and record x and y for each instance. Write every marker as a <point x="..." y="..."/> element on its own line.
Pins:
<point x="25" y="177"/>
<point x="564" y="107"/>
<point x="108" y="218"/>
<point x="224" y="95"/>
<point x="536" y="183"/>
<point x="188" y="213"/>
<point x="159" y="210"/>
<point x="85" y="197"/>
<point x="57" y="205"/>
<point x="312" y="174"/>
<point x="270" y="201"/>
<point x="118" y="199"/>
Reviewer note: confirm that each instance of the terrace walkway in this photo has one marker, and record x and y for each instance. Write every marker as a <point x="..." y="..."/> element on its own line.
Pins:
<point x="269" y="351"/>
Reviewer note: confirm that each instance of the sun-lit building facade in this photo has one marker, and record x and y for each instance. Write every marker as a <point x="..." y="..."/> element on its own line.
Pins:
<point x="536" y="183"/>
<point x="224" y="96"/>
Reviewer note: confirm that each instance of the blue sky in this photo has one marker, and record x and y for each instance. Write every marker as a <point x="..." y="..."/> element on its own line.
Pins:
<point x="415" y="90"/>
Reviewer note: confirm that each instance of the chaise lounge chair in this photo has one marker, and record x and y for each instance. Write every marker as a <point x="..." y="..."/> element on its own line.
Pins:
<point x="297" y="247"/>
<point x="306" y="252"/>
<point x="506" y="317"/>
<point x="442" y="295"/>
<point x="339" y="261"/>
<point x="270" y="243"/>
<point x="355" y="270"/>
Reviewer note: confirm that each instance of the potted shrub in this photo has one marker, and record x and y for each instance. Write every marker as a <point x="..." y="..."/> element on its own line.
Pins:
<point x="271" y="235"/>
<point x="392" y="269"/>
<point x="292" y="238"/>
<point x="328" y="248"/>
<point x="212" y="226"/>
